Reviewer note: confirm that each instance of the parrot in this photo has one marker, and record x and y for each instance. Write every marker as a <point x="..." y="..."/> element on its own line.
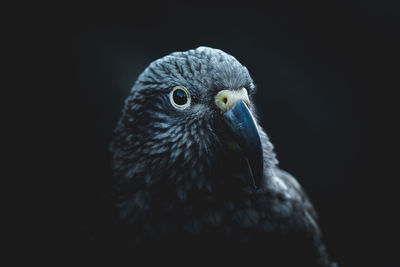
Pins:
<point x="196" y="176"/>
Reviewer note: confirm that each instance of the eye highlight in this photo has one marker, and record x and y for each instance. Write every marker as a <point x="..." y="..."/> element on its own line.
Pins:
<point x="179" y="97"/>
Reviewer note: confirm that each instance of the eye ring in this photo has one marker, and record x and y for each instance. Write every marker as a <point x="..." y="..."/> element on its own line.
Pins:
<point x="179" y="97"/>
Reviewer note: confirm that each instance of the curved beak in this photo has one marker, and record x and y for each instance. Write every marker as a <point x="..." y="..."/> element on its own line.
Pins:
<point x="245" y="133"/>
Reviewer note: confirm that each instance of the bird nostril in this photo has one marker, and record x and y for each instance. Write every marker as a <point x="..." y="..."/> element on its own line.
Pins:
<point x="224" y="99"/>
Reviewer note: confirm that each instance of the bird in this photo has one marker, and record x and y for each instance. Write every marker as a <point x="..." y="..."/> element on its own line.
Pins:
<point x="196" y="176"/>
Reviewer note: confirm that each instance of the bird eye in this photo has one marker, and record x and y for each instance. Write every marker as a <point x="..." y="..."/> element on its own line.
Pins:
<point x="179" y="97"/>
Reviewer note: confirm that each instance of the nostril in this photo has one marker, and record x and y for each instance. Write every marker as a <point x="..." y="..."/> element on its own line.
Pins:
<point x="224" y="99"/>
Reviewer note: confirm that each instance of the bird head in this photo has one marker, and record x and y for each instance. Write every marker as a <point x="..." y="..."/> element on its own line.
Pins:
<point x="189" y="124"/>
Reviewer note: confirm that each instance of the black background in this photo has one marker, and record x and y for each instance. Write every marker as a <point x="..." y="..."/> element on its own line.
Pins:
<point x="325" y="71"/>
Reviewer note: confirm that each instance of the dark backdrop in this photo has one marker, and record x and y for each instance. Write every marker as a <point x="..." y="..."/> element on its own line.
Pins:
<point x="324" y="70"/>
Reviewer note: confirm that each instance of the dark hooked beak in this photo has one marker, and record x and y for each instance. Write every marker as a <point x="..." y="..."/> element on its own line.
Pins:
<point x="244" y="131"/>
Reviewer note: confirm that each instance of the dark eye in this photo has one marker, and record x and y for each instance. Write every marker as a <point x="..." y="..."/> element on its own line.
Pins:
<point x="179" y="97"/>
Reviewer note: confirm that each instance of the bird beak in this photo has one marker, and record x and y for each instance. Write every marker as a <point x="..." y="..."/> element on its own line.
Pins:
<point x="244" y="131"/>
